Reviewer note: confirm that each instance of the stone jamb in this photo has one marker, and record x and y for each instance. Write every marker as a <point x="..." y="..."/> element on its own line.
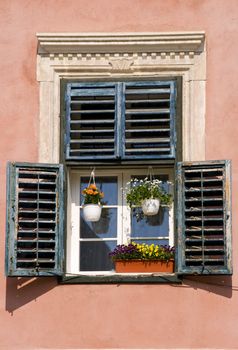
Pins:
<point x="121" y="56"/>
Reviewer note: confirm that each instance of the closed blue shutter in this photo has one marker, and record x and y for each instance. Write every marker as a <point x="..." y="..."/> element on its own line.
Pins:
<point x="120" y="120"/>
<point x="204" y="218"/>
<point x="149" y="120"/>
<point x="35" y="220"/>
<point x="91" y="130"/>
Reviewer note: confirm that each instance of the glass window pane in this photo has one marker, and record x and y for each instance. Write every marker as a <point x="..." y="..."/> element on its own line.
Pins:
<point x="104" y="228"/>
<point x="152" y="241"/>
<point x="106" y="184"/>
<point x="94" y="256"/>
<point x="150" y="226"/>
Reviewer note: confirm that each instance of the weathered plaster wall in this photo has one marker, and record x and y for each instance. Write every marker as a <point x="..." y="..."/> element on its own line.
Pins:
<point x="201" y="313"/>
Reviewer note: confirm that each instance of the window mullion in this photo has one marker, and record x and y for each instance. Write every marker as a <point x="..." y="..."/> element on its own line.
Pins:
<point x="126" y="211"/>
<point x="120" y="209"/>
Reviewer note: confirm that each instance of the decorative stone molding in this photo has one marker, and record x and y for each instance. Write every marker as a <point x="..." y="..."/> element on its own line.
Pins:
<point x="121" y="65"/>
<point x="120" y="42"/>
<point x="132" y="55"/>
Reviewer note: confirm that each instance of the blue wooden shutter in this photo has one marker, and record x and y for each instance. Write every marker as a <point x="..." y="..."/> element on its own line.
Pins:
<point x="149" y="120"/>
<point x="91" y="127"/>
<point x="35" y="220"/>
<point x="204" y="218"/>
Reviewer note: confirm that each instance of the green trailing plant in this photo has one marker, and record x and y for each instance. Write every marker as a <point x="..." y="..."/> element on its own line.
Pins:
<point x="139" y="190"/>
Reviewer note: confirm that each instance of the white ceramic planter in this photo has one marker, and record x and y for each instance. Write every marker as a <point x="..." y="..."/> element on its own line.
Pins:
<point x="92" y="212"/>
<point x="150" y="206"/>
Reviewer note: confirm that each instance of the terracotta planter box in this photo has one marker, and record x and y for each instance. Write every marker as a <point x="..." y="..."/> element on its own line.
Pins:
<point x="146" y="266"/>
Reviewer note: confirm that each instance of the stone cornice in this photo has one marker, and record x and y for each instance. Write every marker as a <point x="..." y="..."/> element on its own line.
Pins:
<point x="61" y="43"/>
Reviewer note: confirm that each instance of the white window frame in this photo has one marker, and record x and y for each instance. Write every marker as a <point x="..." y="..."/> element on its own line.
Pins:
<point x="123" y="214"/>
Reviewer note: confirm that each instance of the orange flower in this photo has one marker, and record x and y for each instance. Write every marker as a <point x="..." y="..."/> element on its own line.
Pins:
<point x="93" y="187"/>
<point x="101" y="194"/>
<point x="89" y="191"/>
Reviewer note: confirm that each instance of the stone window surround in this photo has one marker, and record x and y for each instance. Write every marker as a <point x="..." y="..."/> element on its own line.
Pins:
<point x="94" y="56"/>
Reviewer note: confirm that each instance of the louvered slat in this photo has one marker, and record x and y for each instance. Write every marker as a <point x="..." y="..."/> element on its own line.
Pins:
<point x="90" y="117"/>
<point x="204" y="217"/>
<point x="149" y="120"/>
<point x="35" y="220"/>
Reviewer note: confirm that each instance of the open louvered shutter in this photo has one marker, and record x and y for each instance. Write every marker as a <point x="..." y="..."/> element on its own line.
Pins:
<point x="204" y="218"/>
<point x="91" y="130"/>
<point x="149" y="120"/>
<point x="35" y="220"/>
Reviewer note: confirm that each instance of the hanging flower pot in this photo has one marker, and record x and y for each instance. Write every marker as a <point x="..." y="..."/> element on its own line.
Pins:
<point x="148" y="194"/>
<point x="150" y="206"/>
<point x="92" y="200"/>
<point x="92" y="212"/>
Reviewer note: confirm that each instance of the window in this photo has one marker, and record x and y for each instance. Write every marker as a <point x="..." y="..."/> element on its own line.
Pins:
<point x="90" y="242"/>
<point x="120" y="152"/>
<point x="36" y="205"/>
<point x="120" y="121"/>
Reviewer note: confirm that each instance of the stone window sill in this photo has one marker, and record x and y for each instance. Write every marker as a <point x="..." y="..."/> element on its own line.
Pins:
<point x="158" y="278"/>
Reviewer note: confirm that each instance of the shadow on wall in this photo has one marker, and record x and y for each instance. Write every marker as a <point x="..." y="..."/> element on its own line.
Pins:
<point x="220" y="285"/>
<point x="20" y="291"/>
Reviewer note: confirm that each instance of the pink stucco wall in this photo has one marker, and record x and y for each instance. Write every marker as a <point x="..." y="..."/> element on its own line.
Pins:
<point x="38" y="313"/>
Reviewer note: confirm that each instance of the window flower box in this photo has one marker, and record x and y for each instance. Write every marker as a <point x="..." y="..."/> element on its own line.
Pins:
<point x="143" y="258"/>
<point x="144" y="266"/>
